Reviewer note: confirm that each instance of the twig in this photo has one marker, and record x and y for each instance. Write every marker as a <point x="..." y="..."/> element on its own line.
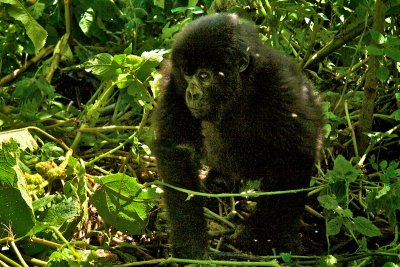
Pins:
<point x="14" y="246"/>
<point x="60" y="142"/>
<point x="258" y="194"/>
<point x="313" y="212"/>
<point x="43" y="53"/>
<point x="353" y="134"/>
<point x="202" y="262"/>
<point x="57" y="56"/>
<point x="5" y="260"/>
<point x="340" y="39"/>
<point x="215" y="216"/>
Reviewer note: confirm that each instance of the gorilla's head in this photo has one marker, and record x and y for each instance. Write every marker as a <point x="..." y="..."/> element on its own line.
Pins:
<point x="208" y="56"/>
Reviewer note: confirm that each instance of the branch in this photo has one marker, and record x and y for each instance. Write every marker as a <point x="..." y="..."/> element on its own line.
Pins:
<point x="255" y="194"/>
<point x="371" y="83"/>
<point x="11" y="76"/>
<point x="338" y="41"/>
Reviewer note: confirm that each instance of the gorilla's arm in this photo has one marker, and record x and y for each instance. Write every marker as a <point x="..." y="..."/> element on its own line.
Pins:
<point x="177" y="152"/>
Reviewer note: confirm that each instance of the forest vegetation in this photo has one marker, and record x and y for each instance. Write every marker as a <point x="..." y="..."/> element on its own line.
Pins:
<point x="78" y="83"/>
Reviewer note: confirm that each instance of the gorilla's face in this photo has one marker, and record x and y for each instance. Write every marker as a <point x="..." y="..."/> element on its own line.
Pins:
<point x="205" y="93"/>
<point x="211" y="88"/>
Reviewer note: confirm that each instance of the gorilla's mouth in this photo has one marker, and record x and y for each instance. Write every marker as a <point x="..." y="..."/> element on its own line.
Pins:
<point x="200" y="112"/>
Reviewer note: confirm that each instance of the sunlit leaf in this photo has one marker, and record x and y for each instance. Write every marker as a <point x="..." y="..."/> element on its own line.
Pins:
<point x="124" y="203"/>
<point x="102" y="65"/>
<point x="377" y="36"/>
<point x="36" y="33"/>
<point x="366" y="227"/>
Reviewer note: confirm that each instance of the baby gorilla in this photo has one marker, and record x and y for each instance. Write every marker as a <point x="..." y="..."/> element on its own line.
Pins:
<point x="247" y="112"/>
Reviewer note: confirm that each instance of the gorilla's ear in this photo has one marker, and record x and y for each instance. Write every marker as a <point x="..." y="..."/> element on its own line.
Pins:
<point x="244" y="62"/>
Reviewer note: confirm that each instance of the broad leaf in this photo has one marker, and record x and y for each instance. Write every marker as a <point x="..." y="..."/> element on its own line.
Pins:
<point x="328" y="202"/>
<point x="124" y="203"/>
<point x="102" y="65"/>
<point x="366" y="227"/>
<point x="36" y="33"/>
<point x="333" y="226"/>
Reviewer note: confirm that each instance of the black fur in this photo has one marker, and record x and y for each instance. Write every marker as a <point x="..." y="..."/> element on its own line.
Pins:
<point x="259" y="119"/>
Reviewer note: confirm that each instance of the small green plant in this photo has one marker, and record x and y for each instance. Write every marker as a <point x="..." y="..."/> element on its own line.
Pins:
<point x="336" y="202"/>
<point x="33" y="203"/>
<point x="384" y="196"/>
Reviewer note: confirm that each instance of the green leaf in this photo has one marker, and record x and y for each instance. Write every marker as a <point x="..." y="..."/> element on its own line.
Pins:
<point x="102" y="65"/>
<point x="366" y="227"/>
<point x="390" y="264"/>
<point x="119" y="211"/>
<point x="333" y="226"/>
<point x="383" y="164"/>
<point x="128" y="50"/>
<point x="15" y="211"/>
<point x="168" y="32"/>
<point x="150" y="60"/>
<point x="382" y="73"/>
<point x="75" y="167"/>
<point x="396" y="115"/>
<point x="124" y="80"/>
<point x="37" y="9"/>
<point x="43" y="202"/>
<point x="286" y="257"/>
<point x="383" y="191"/>
<point x="138" y="91"/>
<point x="27" y="90"/>
<point x="393" y="53"/>
<point x="328" y="202"/>
<point x="124" y="203"/>
<point x="133" y="60"/>
<point x="125" y="185"/>
<point x="393" y="41"/>
<point x="328" y="261"/>
<point x="44" y="86"/>
<point x="250" y="186"/>
<point x="159" y="3"/>
<point x="120" y="59"/>
<point x="8" y="161"/>
<point x="50" y="151"/>
<point x="35" y="32"/>
<point x="146" y="149"/>
<point x="377" y="36"/>
<point x="374" y="51"/>
<point x="343" y="170"/>
<point x="86" y="21"/>
<point x="389" y="203"/>
<point x="347" y="213"/>
<point x="61" y="212"/>
<point x="327" y="129"/>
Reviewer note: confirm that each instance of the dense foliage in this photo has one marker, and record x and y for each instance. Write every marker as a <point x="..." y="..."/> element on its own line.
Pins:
<point x="78" y="82"/>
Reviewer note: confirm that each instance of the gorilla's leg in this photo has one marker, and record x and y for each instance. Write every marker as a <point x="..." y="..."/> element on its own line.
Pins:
<point x="276" y="221"/>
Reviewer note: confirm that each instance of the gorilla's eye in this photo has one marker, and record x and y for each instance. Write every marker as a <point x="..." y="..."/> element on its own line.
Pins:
<point x="204" y="75"/>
